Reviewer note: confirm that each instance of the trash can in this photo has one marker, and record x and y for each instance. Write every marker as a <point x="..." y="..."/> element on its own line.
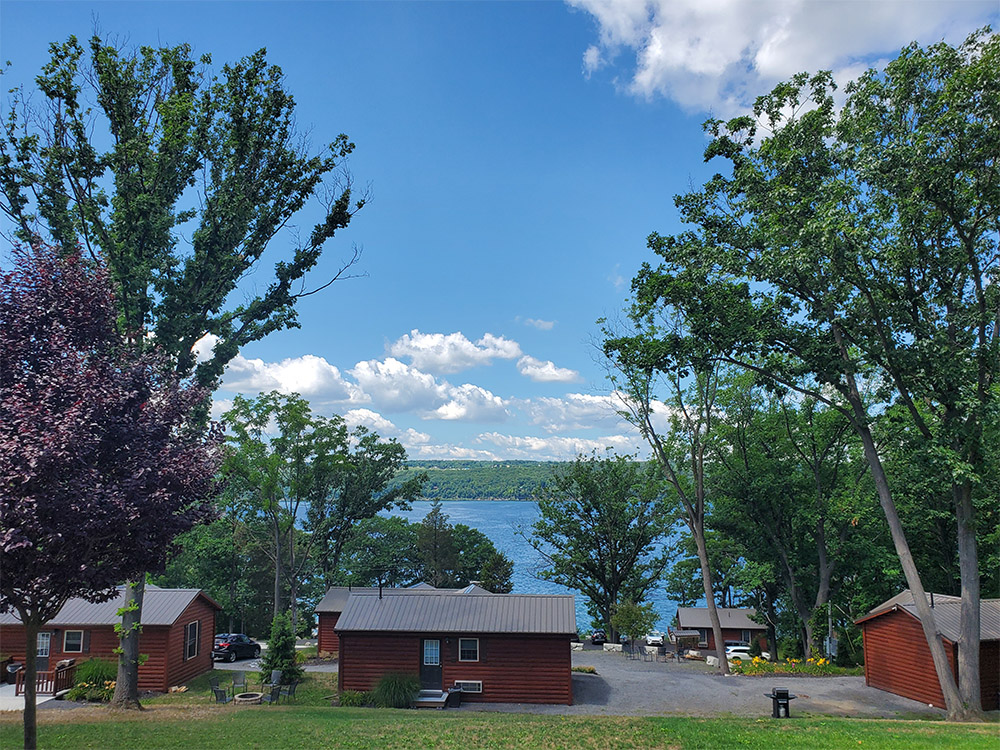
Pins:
<point x="780" y="700"/>
<point x="454" y="698"/>
<point x="12" y="670"/>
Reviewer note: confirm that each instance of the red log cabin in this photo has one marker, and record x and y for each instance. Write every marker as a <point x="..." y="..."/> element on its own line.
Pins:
<point x="178" y="626"/>
<point x="504" y="648"/>
<point x="898" y="660"/>
<point x="737" y="627"/>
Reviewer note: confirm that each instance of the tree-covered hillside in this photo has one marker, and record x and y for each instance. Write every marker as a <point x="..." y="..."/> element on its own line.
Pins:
<point x="480" y="480"/>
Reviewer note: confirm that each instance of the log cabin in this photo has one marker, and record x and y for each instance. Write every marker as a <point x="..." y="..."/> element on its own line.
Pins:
<point x="898" y="660"/>
<point x="178" y="626"/>
<point x="503" y="648"/>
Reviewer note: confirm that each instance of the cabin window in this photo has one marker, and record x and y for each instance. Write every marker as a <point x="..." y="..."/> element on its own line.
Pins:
<point x="73" y="642"/>
<point x="191" y="632"/>
<point x="44" y="640"/>
<point x="703" y="637"/>
<point x="747" y="637"/>
<point x="468" y="649"/>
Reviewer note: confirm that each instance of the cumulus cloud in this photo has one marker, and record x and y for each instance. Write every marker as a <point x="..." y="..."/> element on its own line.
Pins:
<point x="556" y="448"/>
<point x="384" y="427"/>
<point x="574" y="411"/>
<point x="719" y="56"/>
<point x="204" y="347"/>
<point x="541" y="325"/>
<point x="471" y="403"/>
<point x="546" y="371"/>
<point x="308" y="375"/>
<point x="453" y="352"/>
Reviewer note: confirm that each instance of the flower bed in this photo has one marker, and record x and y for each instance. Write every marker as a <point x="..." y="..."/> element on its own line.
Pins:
<point x="815" y="667"/>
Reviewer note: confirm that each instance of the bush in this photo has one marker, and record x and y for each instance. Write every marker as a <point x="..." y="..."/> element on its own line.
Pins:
<point x="396" y="690"/>
<point x="94" y="681"/>
<point x="280" y="652"/>
<point x="353" y="698"/>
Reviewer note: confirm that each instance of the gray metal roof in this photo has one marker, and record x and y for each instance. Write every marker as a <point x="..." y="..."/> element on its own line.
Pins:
<point x="159" y="607"/>
<point x="947" y="614"/>
<point x="697" y="617"/>
<point x="439" y="612"/>
<point x="336" y="596"/>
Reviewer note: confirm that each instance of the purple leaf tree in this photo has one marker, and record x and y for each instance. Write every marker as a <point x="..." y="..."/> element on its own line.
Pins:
<point x="102" y="459"/>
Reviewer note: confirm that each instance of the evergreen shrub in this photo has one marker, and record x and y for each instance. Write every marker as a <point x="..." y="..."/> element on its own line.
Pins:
<point x="396" y="690"/>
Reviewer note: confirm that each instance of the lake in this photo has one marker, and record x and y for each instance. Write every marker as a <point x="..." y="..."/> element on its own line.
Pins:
<point x="501" y="521"/>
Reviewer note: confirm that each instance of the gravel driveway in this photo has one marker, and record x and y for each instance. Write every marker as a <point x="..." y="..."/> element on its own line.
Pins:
<point x="634" y="688"/>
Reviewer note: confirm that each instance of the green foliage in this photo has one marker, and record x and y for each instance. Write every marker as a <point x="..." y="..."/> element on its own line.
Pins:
<point x="792" y="666"/>
<point x="634" y="620"/>
<point x="280" y="653"/>
<point x="600" y="521"/>
<point x="94" y="681"/>
<point x="395" y="690"/>
<point x="480" y="480"/>
<point x="436" y="547"/>
<point x="353" y="698"/>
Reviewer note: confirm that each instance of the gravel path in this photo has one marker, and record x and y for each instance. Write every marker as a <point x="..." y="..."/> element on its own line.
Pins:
<point x="626" y="687"/>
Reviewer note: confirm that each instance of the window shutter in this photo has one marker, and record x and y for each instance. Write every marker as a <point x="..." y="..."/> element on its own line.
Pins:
<point x="86" y="641"/>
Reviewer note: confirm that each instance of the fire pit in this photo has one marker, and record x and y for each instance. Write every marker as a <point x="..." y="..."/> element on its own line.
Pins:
<point x="248" y="699"/>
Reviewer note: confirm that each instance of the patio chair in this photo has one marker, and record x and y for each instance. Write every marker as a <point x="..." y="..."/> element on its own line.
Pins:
<point x="274" y="696"/>
<point x="275" y="679"/>
<point x="213" y="682"/>
<point x="288" y="691"/>
<point x="220" y="696"/>
<point x="239" y="682"/>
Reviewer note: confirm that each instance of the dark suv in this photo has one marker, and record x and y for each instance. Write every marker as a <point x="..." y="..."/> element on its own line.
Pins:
<point x="233" y="646"/>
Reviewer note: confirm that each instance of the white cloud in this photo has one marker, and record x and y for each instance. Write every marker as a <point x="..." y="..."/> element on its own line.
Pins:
<point x="546" y="371"/>
<point x="449" y="451"/>
<point x="219" y="407"/>
<point x="470" y="403"/>
<point x="308" y="375"/>
<point x="395" y="386"/>
<point x="574" y="411"/>
<point x="204" y="347"/>
<point x="445" y="353"/>
<point x="541" y="325"/>
<point x="719" y="56"/>
<point x="559" y="448"/>
<point x="384" y="427"/>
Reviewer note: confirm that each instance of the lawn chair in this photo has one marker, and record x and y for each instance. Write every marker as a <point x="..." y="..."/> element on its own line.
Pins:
<point x="275" y="679"/>
<point x="239" y="682"/>
<point x="220" y="695"/>
<point x="288" y="691"/>
<point x="213" y="682"/>
<point x="273" y="697"/>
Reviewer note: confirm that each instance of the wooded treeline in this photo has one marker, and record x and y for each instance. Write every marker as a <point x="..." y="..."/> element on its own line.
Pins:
<point x="481" y="480"/>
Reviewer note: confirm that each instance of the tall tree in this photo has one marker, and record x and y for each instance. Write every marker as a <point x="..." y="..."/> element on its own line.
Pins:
<point x="201" y="173"/>
<point x="600" y="524"/>
<point x="436" y="547"/>
<point x="857" y="246"/>
<point x="101" y="460"/>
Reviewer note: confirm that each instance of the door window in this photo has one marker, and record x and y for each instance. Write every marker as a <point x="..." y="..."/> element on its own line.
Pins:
<point x="44" y="641"/>
<point x="432" y="653"/>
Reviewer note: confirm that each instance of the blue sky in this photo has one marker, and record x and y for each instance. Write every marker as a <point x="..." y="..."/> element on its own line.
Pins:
<point x="518" y="154"/>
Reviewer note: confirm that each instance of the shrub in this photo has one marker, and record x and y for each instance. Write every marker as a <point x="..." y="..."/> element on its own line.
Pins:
<point x="94" y="681"/>
<point x="280" y="652"/>
<point x="396" y="690"/>
<point x="353" y="698"/>
<point x="585" y="670"/>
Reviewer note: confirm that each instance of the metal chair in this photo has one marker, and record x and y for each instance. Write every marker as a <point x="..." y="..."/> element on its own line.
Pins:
<point x="288" y="691"/>
<point x="213" y="682"/>
<point x="275" y="679"/>
<point x="220" y="696"/>
<point x="239" y="682"/>
<point x="273" y="697"/>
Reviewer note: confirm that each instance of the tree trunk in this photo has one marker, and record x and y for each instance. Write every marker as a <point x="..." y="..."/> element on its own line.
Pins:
<point x="713" y="613"/>
<point x="31" y="627"/>
<point x="969" y="635"/>
<point x="277" y="570"/>
<point x="127" y="685"/>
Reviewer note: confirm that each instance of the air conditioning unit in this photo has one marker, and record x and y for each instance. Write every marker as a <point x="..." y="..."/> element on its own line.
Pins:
<point x="470" y="686"/>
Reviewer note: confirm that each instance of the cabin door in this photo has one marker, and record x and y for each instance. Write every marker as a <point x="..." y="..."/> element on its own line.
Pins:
<point x="430" y="664"/>
<point x="44" y="645"/>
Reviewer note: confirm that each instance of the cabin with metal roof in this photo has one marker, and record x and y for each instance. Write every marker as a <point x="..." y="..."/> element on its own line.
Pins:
<point x="505" y="648"/>
<point x="737" y="626"/>
<point x="898" y="659"/>
<point x="177" y="630"/>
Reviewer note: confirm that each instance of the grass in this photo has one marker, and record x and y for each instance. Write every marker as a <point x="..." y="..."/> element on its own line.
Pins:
<point x="193" y="720"/>
<point x="585" y="669"/>
<point x="165" y="726"/>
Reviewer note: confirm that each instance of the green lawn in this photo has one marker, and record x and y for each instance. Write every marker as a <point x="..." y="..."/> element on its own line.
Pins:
<point x="191" y="720"/>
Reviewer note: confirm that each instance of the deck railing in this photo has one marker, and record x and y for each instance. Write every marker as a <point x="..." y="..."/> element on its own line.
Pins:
<point x="49" y="682"/>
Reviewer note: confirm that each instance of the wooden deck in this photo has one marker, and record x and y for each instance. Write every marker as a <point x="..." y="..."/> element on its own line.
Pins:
<point x="49" y="682"/>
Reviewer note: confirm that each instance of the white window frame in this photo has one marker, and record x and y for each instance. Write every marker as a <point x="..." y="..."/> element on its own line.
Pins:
<point x="460" y="649"/>
<point x="434" y="652"/>
<point x="703" y="637"/>
<point x="747" y="636"/>
<point x="45" y="638"/>
<point x="66" y="649"/>
<point x="188" y="641"/>
<point x="475" y="686"/>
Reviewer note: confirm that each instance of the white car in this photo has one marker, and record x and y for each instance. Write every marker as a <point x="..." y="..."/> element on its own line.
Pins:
<point x="743" y="653"/>
<point x="654" y="638"/>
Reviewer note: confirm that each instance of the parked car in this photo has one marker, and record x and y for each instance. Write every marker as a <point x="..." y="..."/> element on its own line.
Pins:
<point x="220" y="637"/>
<point x="235" y="646"/>
<point x="743" y="653"/>
<point x="654" y="638"/>
<point x="623" y="639"/>
<point x="598" y="637"/>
